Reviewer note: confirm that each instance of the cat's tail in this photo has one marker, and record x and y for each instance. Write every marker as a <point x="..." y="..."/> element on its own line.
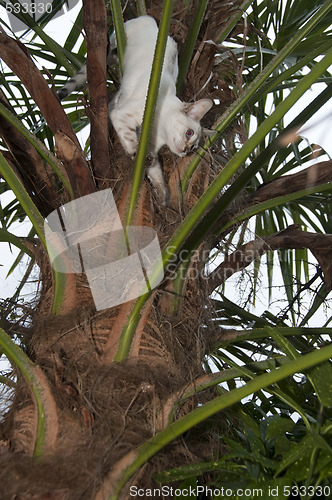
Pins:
<point x="79" y="80"/>
<point x="76" y="82"/>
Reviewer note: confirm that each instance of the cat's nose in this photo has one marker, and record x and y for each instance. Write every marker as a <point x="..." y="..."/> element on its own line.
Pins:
<point x="189" y="149"/>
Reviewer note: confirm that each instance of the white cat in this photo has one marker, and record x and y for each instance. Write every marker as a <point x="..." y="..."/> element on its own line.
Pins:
<point x="176" y="124"/>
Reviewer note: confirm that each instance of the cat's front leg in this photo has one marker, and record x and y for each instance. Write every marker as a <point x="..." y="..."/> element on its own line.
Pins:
<point x="156" y="176"/>
<point x="125" y="129"/>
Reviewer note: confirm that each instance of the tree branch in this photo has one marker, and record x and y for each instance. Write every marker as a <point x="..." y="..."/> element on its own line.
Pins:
<point x="18" y="59"/>
<point x="95" y="25"/>
<point x="314" y="175"/>
<point x="291" y="238"/>
<point x="36" y="176"/>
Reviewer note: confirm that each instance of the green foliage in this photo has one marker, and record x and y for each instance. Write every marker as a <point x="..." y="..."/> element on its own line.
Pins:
<point x="284" y="21"/>
<point x="274" y="445"/>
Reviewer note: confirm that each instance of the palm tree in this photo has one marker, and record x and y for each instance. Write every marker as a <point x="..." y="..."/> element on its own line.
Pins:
<point x="181" y="387"/>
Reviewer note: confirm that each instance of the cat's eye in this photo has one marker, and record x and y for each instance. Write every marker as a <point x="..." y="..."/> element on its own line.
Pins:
<point x="189" y="133"/>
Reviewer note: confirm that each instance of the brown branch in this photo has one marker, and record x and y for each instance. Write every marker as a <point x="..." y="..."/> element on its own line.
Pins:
<point x="291" y="238"/>
<point x="314" y="175"/>
<point x="95" y="25"/>
<point x="17" y="58"/>
<point x="37" y="179"/>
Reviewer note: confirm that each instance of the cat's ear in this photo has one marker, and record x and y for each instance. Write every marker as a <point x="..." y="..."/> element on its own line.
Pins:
<point x="197" y="110"/>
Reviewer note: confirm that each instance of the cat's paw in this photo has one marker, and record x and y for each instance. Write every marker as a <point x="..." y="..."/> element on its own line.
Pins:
<point x="150" y="160"/>
<point x="162" y="194"/>
<point x="130" y="148"/>
<point x="156" y="177"/>
<point x="164" y="199"/>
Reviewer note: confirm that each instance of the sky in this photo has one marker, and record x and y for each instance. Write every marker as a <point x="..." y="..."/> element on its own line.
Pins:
<point x="317" y="131"/>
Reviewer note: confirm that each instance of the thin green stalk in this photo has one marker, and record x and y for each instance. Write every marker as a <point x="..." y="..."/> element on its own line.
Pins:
<point x="7" y="381"/>
<point x="276" y="82"/>
<point x="28" y="370"/>
<point x="234" y="20"/>
<point x="189" y="471"/>
<point x="28" y="206"/>
<point x="141" y="7"/>
<point x="190" y="43"/>
<point x="59" y="291"/>
<point x="160" y="440"/>
<point x="178" y="283"/>
<point x="119" y="30"/>
<point x="18" y="259"/>
<point x="38" y="145"/>
<point x="260" y="333"/>
<point x="129" y="330"/>
<point x="230" y="114"/>
<point x="14" y="240"/>
<point x="150" y="106"/>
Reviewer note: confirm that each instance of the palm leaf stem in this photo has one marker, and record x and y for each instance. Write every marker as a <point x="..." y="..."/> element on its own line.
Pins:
<point x="119" y="30"/>
<point x="190" y="43"/>
<point x="28" y="370"/>
<point x="150" y="106"/>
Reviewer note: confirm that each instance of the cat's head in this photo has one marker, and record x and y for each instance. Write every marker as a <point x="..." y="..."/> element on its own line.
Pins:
<point x="186" y="130"/>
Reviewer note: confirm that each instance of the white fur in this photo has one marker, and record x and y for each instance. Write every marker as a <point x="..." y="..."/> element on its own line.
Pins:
<point x="173" y="118"/>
